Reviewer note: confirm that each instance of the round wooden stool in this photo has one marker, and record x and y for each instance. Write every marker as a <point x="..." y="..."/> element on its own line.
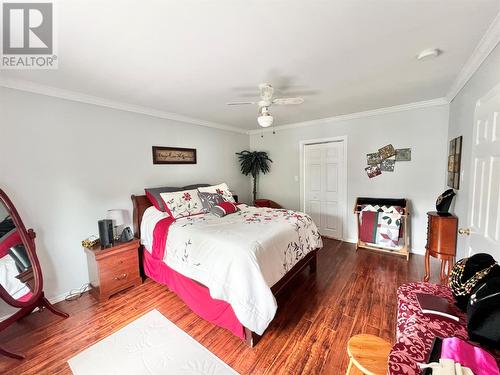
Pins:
<point x="369" y="354"/>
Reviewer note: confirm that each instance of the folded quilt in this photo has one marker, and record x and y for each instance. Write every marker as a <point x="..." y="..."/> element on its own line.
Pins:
<point x="380" y="228"/>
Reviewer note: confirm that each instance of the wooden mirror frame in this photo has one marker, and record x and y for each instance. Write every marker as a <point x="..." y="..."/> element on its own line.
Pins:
<point x="38" y="299"/>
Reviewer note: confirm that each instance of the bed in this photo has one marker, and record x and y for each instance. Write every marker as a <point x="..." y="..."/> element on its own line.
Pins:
<point x="180" y="242"/>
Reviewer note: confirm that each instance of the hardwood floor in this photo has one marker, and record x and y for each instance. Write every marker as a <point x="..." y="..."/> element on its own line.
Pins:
<point x="352" y="292"/>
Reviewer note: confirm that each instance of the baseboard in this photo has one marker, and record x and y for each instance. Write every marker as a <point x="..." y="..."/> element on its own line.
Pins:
<point x="58" y="298"/>
<point x="350" y="240"/>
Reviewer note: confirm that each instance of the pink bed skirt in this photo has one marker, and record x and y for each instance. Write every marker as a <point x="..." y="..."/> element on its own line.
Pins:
<point x="196" y="296"/>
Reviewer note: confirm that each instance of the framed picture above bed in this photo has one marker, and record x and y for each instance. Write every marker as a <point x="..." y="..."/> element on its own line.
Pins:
<point x="173" y="155"/>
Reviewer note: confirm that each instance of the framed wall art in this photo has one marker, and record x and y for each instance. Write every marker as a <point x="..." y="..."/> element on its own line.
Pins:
<point x="373" y="158"/>
<point x="454" y="161"/>
<point x="173" y="155"/>
<point x="373" y="171"/>
<point x="386" y="151"/>
<point x="387" y="165"/>
<point x="385" y="160"/>
<point x="403" y="154"/>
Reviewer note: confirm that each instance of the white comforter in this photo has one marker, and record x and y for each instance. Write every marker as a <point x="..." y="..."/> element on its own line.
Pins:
<point x="240" y="256"/>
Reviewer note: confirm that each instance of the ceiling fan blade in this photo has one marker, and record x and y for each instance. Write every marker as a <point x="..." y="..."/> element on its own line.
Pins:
<point x="240" y="103"/>
<point x="281" y="101"/>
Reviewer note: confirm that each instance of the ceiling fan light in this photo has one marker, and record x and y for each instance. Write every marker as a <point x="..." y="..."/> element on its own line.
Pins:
<point x="265" y="120"/>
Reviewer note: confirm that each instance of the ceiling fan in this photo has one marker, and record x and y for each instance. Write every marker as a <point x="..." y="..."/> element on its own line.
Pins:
<point x="265" y="118"/>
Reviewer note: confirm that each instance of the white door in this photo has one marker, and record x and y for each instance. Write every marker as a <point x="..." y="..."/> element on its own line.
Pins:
<point x="484" y="213"/>
<point x="324" y="184"/>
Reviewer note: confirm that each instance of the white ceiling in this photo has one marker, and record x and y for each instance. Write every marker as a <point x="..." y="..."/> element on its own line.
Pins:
<point x="191" y="57"/>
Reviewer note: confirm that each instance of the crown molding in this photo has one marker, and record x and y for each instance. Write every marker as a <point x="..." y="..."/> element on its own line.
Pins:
<point x="356" y="115"/>
<point x="102" y="102"/>
<point x="487" y="43"/>
<point x="35" y="88"/>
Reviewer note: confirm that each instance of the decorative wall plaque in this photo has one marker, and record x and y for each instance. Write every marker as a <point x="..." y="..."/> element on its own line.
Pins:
<point x="386" y="158"/>
<point x="373" y="158"/>
<point x="386" y="152"/>
<point x="403" y="154"/>
<point x="373" y="171"/>
<point x="387" y="165"/>
<point x="173" y="155"/>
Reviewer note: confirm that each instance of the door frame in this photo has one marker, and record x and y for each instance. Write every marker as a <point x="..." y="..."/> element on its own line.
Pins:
<point x="302" y="144"/>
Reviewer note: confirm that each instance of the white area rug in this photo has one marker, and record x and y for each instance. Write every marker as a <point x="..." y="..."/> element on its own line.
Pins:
<point x="152" y="345"/>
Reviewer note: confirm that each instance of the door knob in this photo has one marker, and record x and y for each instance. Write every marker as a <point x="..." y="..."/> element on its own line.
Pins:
<point x="464" y="231"/>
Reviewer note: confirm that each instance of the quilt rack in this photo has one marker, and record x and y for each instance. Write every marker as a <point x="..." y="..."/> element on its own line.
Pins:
<point x="404" y="235"/>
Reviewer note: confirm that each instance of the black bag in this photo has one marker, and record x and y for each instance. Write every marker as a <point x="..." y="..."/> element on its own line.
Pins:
<point x="483" y="313"/>
<point x="467" y="273"/>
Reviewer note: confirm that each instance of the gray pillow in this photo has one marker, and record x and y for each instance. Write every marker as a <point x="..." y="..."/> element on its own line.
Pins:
<point x="220" y="211"/>
<point x="154" y="195"/>
<point x="195" y="186"/>
<point x="209" y="200"/>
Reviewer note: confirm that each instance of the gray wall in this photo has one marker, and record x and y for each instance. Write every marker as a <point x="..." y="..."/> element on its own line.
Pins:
<point x="421" y="180"/>
<point x="64" y="164"/>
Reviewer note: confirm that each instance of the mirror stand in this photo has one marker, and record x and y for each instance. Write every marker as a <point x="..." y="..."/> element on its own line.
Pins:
<point x="22" y="281"/>
<point x="41" y="304"/>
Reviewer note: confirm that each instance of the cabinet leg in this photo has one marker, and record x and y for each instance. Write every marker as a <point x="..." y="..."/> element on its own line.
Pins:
<point x="443" y="271"/>
<point x="448" y="271"/>
<point x="427" y="266"/>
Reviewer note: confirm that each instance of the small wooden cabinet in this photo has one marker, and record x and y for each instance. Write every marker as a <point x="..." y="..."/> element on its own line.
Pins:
<point x="441" y="242"/>
<point x="114" y="269"/>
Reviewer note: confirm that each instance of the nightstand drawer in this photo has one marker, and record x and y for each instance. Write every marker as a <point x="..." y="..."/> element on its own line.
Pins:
<point x="124" y="259"/>
<point x="118" y="270"/>
<point x="116" y="279"/>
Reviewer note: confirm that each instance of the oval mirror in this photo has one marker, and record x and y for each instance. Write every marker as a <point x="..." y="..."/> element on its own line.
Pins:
<point x="21" y="283"/>
<point x="19" y="280"/>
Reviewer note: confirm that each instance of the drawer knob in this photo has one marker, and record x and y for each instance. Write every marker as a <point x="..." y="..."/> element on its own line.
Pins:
<point x="121" y="277"/>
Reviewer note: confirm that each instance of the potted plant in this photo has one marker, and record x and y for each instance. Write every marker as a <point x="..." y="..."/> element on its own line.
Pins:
<point x="253" y="163"/>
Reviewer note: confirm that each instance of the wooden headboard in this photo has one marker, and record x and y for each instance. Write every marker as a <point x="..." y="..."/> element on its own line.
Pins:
<point x="140" y="204"/>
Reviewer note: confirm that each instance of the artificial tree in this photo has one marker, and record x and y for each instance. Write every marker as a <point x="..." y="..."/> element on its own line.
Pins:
<point x="254" y="163"/>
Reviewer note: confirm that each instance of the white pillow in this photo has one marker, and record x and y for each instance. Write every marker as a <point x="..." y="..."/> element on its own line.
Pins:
<point x="222" y="189"/>
<point x="182" y="203"/>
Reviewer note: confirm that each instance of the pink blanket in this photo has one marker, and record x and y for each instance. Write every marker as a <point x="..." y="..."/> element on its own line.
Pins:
<point x="9" y="241"/>
<point x="468" y="355"/>
<point x="195" y="295"/>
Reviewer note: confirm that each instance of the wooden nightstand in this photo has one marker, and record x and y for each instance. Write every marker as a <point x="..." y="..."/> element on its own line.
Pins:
<point x="114" y="269"/>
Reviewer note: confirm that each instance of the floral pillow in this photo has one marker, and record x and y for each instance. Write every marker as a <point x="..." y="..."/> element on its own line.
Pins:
<point x="182" y="203"/>
<point x="221" y="189"/>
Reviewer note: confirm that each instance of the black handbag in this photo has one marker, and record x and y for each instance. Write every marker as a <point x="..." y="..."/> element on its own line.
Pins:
<point x="483" y="313"/>
<point x="467" y="273"/>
